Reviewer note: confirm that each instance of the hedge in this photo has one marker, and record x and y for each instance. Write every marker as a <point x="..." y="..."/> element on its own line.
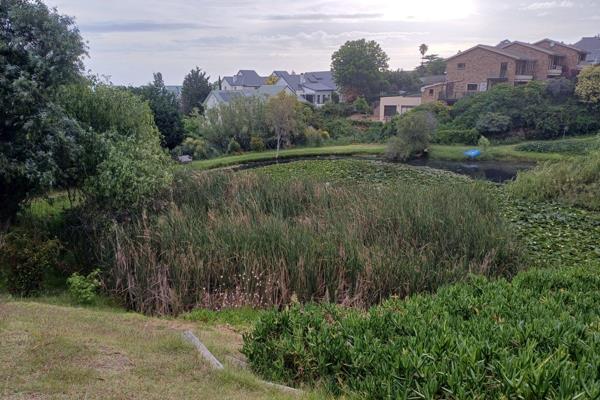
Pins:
<point x="537" y="337"/>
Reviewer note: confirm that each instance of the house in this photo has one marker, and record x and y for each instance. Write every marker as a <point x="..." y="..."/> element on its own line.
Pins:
<point x="481" y="67"/>
<point x="592" y="46"/>
<point x="316" y="88"/>
<point x="394" y="105"/>
<point x="217" y="97"/>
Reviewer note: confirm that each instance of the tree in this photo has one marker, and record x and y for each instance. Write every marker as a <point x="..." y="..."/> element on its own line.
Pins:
<point x="196" y="87"/>
<point x="40" y="50"/>
<point x="282" y="117"/>
<point x="588" y="85"/>
<point x="361" y="106"/>
<point x="432" y="65"/>
<point x="413" y="134"/>
<point x="358" y="68"/>
<point x="401" y="81"/>
<point x="165" y="108"/>
<point x="423" y="49"/>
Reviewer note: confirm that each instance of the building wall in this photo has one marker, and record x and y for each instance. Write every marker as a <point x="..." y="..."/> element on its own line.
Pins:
<point x="571" y="59"/>
<point x="432" y="93"/>
<point x="401" y="103"/>
<point x="480" y="64"/>
<point x="210" y="102"/>
<point x="542" y="60"/>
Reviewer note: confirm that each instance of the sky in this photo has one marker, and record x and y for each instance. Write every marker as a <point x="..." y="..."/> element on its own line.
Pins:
<point x="129" y="40"/>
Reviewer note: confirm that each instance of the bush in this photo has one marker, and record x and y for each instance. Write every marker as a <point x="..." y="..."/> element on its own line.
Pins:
<point x="567" y="146"/>
<point x="413" y="131"/>
<point x="196" y="148"/>
<point x="532" y="338"/>
<point x="230" y="240"/>
<point x="361" y="106"/>
<point x="493" y="124"/>
<point x="234" y="147"/>
<point x="575" y="182"/>
<point x="83" y="289"/>
<point x="484" y="143"/>
<point x="456" y="136"/>
<point x="26" y="259"/>
<point x="315" y="137"/>
<point x="257" y="144"/>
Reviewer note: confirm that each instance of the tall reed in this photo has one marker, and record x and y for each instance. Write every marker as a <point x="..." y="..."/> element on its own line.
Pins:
<point x="243" y="239"/>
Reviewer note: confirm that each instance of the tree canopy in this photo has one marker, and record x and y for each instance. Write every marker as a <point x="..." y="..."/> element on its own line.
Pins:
<point x="196" y="87"/>
<point x="358" y="68"/>
<point x="165" y="108"/>
<point x="40" y="51"/>
<point x="588" y="85"/>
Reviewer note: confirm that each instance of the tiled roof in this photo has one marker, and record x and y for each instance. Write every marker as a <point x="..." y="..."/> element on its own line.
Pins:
<point x="556" y="42"/>
<point x="592" y="46"/>
<point x="531" y="46"/>
<point x="504" y="52"/>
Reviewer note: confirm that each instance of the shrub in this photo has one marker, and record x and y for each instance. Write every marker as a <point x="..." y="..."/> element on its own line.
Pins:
<point x="484" y="143"/>
<point x="26" y="259"/>
<point x="361" y="106"/>
<point x="567" y="146"/>
<point x="233" y="147"/>
<point x="456" y="136"/>
<point x="341" y="128"/>
<point x="493" y="124"/>
<point x="257" y="144"/>
<point x="575" y="181"/>
<point x="413" y="131"/>
<point x="532" y="338"/>
<point x="83" y="289"/>
<point x="196" y="148"/>
<point x="315" y="137"/>
<point x="230" y="240"/>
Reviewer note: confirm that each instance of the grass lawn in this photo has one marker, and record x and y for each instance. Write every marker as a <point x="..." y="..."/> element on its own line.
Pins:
<point x="438" y="152"/>
<point x="50" y="351"/>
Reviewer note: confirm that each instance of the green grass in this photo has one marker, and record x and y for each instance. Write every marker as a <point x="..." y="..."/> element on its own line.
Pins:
<point x="437" y="152"/>
<point x="56" y="352"/>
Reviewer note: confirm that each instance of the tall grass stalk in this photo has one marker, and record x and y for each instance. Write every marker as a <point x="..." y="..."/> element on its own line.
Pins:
<point x="230" y="240"/>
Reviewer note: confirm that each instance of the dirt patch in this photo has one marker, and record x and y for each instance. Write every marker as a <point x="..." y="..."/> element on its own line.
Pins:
<point x="110" y="361"/>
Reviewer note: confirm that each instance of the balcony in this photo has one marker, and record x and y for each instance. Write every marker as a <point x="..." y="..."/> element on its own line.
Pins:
<point x="523" y="78"/>
<point x="555" y="70"/>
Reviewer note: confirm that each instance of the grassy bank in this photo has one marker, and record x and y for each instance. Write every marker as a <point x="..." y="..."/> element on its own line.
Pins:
<point x="57" y="352"/>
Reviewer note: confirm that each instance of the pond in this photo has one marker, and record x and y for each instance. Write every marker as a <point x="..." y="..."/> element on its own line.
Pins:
<point x="493" y="171"/>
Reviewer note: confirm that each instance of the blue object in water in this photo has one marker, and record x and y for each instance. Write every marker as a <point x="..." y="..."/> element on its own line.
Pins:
<point x="472" y="153"/>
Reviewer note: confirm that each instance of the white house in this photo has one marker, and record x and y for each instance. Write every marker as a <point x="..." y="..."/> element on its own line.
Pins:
<point x="391" y="106"/>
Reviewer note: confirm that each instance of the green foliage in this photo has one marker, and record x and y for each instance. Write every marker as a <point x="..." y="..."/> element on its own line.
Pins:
<point x="455" y="136"/>
<point x="315" y="137"/>
<point x="361" y="106"/>
<point x="165" y="108"/>
<point x="413" y="133"/>
<point x="588" y="85"/>
<point x="41" y="50"/>
<point x="122" y="164"/>
<point x="566" y="146"/>
<point x="493" y="124"/>
<point x="257" y="144"/>
<point x="433" y="65"/>
<point x="196" y="88"/>
<point x="358" y="68"/>
<point x="484" y="143"/>
<point x="534" y="337"/>
<point x="575" y="181"/>
<point x="284" y="116"/>
<point x="238" y="317"/>
<point x="539" y="110"/>
<point x="399" y="81"/>
<point x="84" y="289"/>
<point x="26" y="257"/>
<point x="233" y="147"/>
<point x="227" y="238"/>
<point x="439" y="109"/>
<point x="198" y="149"/>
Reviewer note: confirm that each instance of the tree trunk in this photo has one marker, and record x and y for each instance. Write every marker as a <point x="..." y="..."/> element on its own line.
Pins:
<point x="278" y="146"/>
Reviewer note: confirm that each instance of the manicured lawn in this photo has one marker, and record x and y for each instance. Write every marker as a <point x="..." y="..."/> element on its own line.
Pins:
<point x="438" y="152"/>
<point x="57" y="352"/>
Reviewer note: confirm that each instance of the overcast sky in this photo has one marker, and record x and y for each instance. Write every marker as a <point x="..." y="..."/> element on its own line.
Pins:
<point x="130" y="39"/>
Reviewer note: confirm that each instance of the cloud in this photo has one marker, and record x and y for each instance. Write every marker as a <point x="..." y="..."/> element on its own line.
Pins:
<point x="321" y="16"/>
<point x="140" y="26"/>
<point x="546" y="5"/>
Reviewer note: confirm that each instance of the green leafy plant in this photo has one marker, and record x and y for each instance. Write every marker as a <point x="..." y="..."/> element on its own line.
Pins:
<point x="534" y="337"/>
<point x="413" y="133"/>
<point x="456" y="136"/>
<point x="84" y="289"/>
<point x="484" y="143"/>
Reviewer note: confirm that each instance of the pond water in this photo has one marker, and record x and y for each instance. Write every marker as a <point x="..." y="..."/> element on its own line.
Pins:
<point x="494" y="171"/>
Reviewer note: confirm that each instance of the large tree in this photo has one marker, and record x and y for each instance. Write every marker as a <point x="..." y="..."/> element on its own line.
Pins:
<point x="432" y="64"/>
<point x="196" y="87"/>
<point x="358" y="68"/>
<point x="40" y="50"/>
<point x="282" y="116"/>
<point x="165" y="108"/>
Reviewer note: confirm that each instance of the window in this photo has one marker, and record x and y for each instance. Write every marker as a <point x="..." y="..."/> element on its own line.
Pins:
<point x="431" y="92"/>
<point x="390" y="111"/>
<point x="472" y="87"/>
<point x="461" y="66"/>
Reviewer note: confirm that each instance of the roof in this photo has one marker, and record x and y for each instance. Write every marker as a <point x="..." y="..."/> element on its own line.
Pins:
<point x="323" y="80"/>
<point x="568" y="46"/>
<point x="226" y="96"/>
<point x="503" y="52"/>
<point x="246" y="78"/>
<point x="292" y="80"/>
<point x="592" y="46"/>
<point x="431" y="79"/>
<point x="531" y="46"/>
